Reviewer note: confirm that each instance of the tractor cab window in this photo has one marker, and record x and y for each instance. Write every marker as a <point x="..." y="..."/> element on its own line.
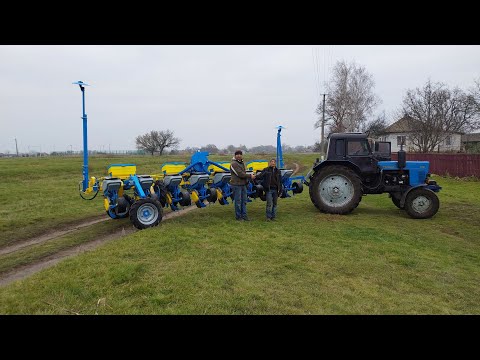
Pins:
<point x="357" y="148"/>
<point x="340" y="147"/>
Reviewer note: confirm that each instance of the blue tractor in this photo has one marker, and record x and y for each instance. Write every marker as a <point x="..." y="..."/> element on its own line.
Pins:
<point x="356" y="166"/>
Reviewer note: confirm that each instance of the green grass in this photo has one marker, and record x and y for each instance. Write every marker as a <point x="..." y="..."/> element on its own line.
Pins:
<point x="376" y="260"/>
<point x="39" y="251"/>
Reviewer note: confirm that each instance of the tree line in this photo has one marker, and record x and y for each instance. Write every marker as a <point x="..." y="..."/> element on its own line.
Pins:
<point x="157" y="142"/>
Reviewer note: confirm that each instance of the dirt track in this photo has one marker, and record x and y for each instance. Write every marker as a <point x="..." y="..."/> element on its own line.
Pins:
<point x="27" y="270"/>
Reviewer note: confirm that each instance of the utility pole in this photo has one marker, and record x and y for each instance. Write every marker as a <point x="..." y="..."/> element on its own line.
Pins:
<point x="16" y="146"/>
<point x="322" y="142"/>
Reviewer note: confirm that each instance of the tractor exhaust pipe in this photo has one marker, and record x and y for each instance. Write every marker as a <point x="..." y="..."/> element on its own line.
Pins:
<point x="402" y="158"/>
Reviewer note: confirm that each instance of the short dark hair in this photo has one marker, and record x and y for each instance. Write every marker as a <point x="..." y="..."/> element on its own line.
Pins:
<point x="238" y="152"/>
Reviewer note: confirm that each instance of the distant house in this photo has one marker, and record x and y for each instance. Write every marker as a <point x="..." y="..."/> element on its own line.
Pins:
<point x="471" y="142"/>
<point x="400" y="130"/>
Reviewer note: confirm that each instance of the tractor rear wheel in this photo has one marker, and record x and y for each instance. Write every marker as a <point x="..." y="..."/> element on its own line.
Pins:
<point x="145" y="213"/>
<point x="336" y="190"/>
<point x="421" y="203"/>
<point x="310" y="192"/>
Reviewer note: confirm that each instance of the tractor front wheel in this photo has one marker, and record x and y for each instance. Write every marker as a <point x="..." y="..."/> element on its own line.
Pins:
<point x="145" y="213"/>
<point x="421" y="203"/>
<point x="336" y="190"/>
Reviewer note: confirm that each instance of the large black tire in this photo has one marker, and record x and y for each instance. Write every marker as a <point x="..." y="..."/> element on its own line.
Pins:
<point x="396" y="202"/>
<point x="310" y="192"/>
<point x="145" y="213"/>
<point x="336" y="189"/>
<point x="421" y="203"/>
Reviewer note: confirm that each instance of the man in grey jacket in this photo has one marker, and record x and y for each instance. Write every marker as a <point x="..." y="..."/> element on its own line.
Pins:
<point x="238" y="182"/>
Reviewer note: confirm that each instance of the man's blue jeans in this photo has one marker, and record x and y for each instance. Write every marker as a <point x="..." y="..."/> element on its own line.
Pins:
<point x="240" y="200"/>
<point x="272" y="197"/>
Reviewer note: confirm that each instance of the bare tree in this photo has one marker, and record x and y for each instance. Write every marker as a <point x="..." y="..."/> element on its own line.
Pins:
<point x="147" y="142"/>
<point x="350" y="98"/>
<point x="157" y="141"/>
<point x="166" y="139"/>
<point x="475" y="92"/>
<point x="376" y="127"/>
<point x="434" y="111"/>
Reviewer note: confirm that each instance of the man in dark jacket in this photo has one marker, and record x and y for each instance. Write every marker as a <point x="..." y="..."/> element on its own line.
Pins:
<point x="238" y="182"/>
<point x="272" y="185"/>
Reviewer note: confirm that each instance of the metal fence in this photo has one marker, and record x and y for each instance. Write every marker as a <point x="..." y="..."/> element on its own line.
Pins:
<point x="461" y="165"/>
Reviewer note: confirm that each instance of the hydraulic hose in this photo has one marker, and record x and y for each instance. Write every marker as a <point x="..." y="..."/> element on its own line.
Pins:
<point x="80" y="192"/>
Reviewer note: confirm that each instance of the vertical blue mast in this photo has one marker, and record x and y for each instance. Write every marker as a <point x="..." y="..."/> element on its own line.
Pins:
<point x="85" y="143"/>
<point x="279" y="148"/>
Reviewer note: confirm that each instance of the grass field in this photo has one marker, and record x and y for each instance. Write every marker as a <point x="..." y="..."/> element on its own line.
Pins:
<point x="376" y="260"/>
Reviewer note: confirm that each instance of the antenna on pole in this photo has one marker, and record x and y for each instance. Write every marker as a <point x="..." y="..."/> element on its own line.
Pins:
<point x="82" y="85"/>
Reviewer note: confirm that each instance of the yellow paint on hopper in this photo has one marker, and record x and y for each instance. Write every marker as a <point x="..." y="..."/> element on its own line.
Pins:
<point x="256" y="165"/>
<point x="122" y="172"/>
<point x="170" y="169"/>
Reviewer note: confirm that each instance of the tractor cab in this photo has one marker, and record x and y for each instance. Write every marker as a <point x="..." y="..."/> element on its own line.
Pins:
<point x="343" y="146"/>
<point x="359" y="150"/>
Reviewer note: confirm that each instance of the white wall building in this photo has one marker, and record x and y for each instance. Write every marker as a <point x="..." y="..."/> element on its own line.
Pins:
<point x="399" y="131"/>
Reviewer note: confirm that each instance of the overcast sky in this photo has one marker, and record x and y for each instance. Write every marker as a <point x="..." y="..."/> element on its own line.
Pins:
<point x="205" y="94"/>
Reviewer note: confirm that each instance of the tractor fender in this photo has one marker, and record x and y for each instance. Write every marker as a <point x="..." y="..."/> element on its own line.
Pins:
<point x="326" y="163"/>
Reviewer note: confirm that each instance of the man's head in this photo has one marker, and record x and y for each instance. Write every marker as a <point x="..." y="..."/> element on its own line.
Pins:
<point x="272" y="163"/>
<point x="238" y="154"/>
